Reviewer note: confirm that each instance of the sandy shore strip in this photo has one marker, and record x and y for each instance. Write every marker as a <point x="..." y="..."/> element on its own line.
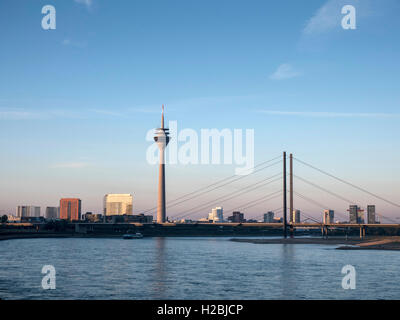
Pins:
<point x="389" y="243"/>
<point x="376" y="243"/>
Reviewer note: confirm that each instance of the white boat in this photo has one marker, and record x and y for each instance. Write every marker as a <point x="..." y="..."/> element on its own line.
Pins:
<point x="136" y="235"/>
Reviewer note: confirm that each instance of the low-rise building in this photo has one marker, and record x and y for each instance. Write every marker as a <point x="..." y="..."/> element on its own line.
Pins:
<point x="52" y="213"/>
<point x="139" y="218"/>
<point x="90" y="217"/>
<point x="237" y="217"/>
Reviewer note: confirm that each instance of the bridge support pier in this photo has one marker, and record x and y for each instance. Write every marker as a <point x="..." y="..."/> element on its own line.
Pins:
<point x="362" y="232"/>
<point x="324" y="231"/>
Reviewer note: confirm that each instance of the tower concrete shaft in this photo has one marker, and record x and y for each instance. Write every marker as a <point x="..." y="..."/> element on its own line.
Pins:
<point x="161" y="138"/>
<point x="161" y="210"/>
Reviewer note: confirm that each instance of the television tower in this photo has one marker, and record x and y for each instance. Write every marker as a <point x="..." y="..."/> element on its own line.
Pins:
<point x="161" y="138"/>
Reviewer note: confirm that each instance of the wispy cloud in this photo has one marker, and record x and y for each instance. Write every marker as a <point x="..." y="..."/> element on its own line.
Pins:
<point x="48" y="114"/>
<point x="70" y="165"/>
<point x="87" y="3"/>
<point x="326" y="18"/>
<point x="107" y="112"/>
<point x="38" y="114"/>
<point x="127" y="111"/>
<point x="153" y="109"/>
<point x="68" y="42"/>
<point x="15" y="114"/>
<point x="329" y="16"/>
<point x="284" y="71"/>
<point x="330" y="114"/>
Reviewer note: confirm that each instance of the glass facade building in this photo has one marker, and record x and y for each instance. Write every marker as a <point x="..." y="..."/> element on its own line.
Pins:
<point x="118" y="204"/>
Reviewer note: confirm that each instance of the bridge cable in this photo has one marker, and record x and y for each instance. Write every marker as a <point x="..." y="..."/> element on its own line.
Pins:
<point x="348" y="183"/>
<point x="229" y="194"/>
<point x="257" y="201"/>
<point x="172" y="202"/>
<point x="316" y="203"/>
<point x="323" y="189"/>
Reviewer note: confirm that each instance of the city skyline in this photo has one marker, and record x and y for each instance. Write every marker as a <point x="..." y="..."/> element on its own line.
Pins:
<point x="121" y="204"/>
<point x="70" y="130"/>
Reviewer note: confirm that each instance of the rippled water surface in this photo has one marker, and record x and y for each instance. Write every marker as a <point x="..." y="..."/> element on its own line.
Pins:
<point x="192" y="268"/>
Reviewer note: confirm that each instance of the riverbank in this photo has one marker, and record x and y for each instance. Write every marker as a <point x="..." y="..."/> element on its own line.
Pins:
<point x="51" y="235"/>
<point x="350" y="243"/>
<point x="84" y="229"/>
<point x="375" y="243"/>
<point x="39" y="235"/>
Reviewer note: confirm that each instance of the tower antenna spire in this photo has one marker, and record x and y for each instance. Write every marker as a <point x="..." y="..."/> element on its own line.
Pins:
<point x="162" y="117"/>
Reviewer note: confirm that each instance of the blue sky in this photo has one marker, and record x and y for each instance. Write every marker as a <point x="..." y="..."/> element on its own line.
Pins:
<point x="76" y="102"/>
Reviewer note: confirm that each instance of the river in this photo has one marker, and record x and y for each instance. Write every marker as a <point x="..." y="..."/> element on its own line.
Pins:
<point x="192" y="268"/>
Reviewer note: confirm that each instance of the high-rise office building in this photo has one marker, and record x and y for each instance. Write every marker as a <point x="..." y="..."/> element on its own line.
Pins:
<point x="356" y="214"/>
<point x="118" y="204"/>
<point x="295" y="216"/>
<point x="329" y="216"/>
<point x="269" y="217"/>
<point x="371" y="214"/>
<point x="52" y="213"/>
<point x="28" y="212"/>
<point x="353" y="213"/>
<point x="70" y="209"/>
<point x="216" y="214"/>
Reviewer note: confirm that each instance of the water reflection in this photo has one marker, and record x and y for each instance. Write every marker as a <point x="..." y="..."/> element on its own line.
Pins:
<point x="288" y="272"/>
<point x="160" y="272"/>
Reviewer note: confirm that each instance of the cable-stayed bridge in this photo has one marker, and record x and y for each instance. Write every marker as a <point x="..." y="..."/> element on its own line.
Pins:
<point x="282" y="183"/>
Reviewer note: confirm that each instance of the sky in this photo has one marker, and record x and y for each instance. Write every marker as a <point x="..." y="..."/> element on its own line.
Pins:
<point x="77" y="102"/>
